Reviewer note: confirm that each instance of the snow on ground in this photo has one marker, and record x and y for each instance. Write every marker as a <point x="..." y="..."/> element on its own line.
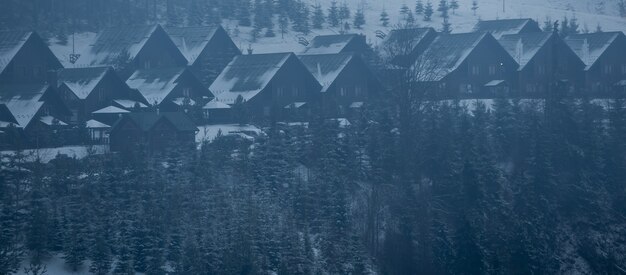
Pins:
<point x="45" y="155"/>
<point x="56" y="266"/>
<point x="209" y="132"/>
<point x="588" y="12"/>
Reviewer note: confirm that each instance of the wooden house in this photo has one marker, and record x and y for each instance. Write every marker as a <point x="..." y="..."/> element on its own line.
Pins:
<point x="37" y="112"/>
<point x="401" y="47"/>
<point x="544" y="58"/>
<point x="501" y="27"/>
<point x="130" y="48"/>
<point x="208" y="49"/>
<point x="85" y="90"/>
<point x="171" y="89"/>
<point x="217" y="112"/>
<point x="347" y="82"/>
<point x="264" y="84"/>
<point x="154" y="132"/>
<point x="604" y="55"/>
<point x="25" y="58"/>
<point x="338" y="43"/>
<point x="466" y="65"/>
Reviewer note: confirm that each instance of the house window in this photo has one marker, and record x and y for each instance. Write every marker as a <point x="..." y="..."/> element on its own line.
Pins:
<point x="280" y="92"/>
<point x="296" y="91"/>
<point x="442" y="85"/>
<point x="475" y="70"/>
<point x="607" y="69"/>
<point x="465" y="88"/>
<point x="147" y="65"/>
<point x="358" y="91"/>
<point x="342" y="91"/>
<point x="492" y="69"/>
<point x="186" y="92"/>
<point x="266" y="111"/>
<point x="206" y="114"/>
<point x="541" y="69"/>
<point x="101" y="94"/>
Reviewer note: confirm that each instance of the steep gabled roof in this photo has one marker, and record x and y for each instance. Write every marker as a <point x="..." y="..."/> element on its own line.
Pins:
<point x="326" y="67"/>
<point x="247" y="75"/>
<point x="146" y="121"/>
<point x="523" y="47"/>
<point x="326" y="44"/>
<point x="446" y="53"/>
<point x="191" y="41"/>
<point x="155" y="84"/>
<point x="82" y="81"/>
<point x="591" y="46"/>
<point x="501" y="27"/>
<point x="411" y="37"/>
<point x="11" y="42"/>
<point x="23" y="101"/>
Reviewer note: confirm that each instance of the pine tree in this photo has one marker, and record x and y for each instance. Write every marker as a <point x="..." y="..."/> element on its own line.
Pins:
<point x="410" y="19"/>
<point x="443" y="8"/>
<point x="474" y="6"/>
<point x="344" y="12"/>
<point x="621" y="6"/>
<point x="100" y="255"/>
<point x="333" y="14"/>
<point x="404" y="10"/>
<point x="428" y="11"/>
<point x="318" y="17"/>
<point x="419" y="7"/>
<point x="243" y="13"/>
<point x="11" y="250"/>
<point x="548" y="25"/>
<point x="598" y="28"/>
<point x="384" y="18"/>
<point x="359" y="19"/>
<point x="574" y="27"/>
<point x="446" y="26"/>
<point x="283" y="23"/>
<point x="454" y="5"/>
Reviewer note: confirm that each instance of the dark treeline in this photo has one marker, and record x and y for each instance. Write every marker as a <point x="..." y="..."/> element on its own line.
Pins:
<point x="522" y="187"/>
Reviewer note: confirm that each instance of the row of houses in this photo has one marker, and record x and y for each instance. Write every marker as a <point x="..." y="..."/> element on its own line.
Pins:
<point x="512" y="56"/>
<point x="197" y="71"/>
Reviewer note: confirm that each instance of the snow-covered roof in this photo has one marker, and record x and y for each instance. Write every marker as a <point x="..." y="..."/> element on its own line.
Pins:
<point x="410" y="37"/>
<point x="50" y="120"/>
<point x="295" y="105"/>
<point x="446" y="53"/>
<point x="191" y="41"/>
<point x="591" y="46"/>
<point x="326" y="67"/>
<point x="155" y="84"/>
<point x="110" y="110"/>
<point x="82" y="81"/>
<point x="23" y="101"/>
<point x="10" y="44"/>
<point x="247" y="75"/>
<point x="180" y="101"/>
<point x="501" y="27"/>
<point x="357" y="104"/>
<point x="214" y="104"/>
<point x="208" y="133"/>
<point x="326" y="44"/>
<point x="94" y="124"/>
<point x="129" y="104"/>
<point x="495" y="83"/>
<point x="145" y="121"/>
<point x="523" y="47"/>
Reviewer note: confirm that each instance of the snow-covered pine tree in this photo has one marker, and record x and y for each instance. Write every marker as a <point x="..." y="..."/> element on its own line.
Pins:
<point x="621" y="7"/>
<point x="318" y="17"/>
<point x="474" y="6"/>
<point x="419" y="7"/>
<point x="283" y="23"/>
<point x="428" y="11"/>
<point x="359" y="19"/>
<point x="333" y="14"/>
<point x="454" y="5"/>
<point x="384" y="18"/>
<point x="100" y="253"/>
<point x="344" y="12"/>
<point x="243" y="13"/>
<point x="446" y="26"/>
<point x="443" y="8"/>
<point x="410" y="19"/>
<point x="404" y="10"/>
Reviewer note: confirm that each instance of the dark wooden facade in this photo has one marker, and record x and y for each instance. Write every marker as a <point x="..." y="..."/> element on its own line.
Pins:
<point x="25" y="58"/>
<point x="85" y="90"/>
<point x="208" y="49"/>
<point x="262" y="85"/>
<point x="347" y="83"/>
<point x="604" y="55"/>
<point x="468" y="65"/>
<point x="152" y="132"/>
<point x="544" y="58"/>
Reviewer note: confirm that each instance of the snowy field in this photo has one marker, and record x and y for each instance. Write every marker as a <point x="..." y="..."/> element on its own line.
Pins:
<point x="45" y="155"/>
<point x="208" y="133"/>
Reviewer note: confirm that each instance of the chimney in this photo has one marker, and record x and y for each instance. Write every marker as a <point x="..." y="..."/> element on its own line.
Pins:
<point x="52" y="78"/>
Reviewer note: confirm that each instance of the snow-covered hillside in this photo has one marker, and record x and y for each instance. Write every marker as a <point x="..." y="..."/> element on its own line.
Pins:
<point x="590" y="13"/>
